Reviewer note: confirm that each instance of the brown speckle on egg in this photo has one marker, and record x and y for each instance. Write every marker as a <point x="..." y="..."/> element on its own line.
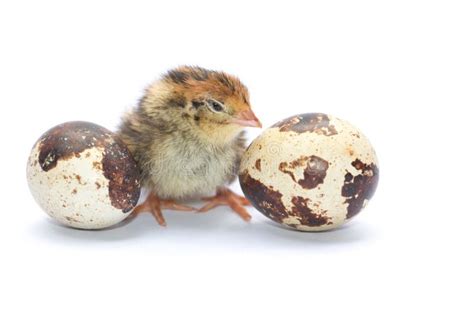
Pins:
<point x="310" y="122"/>
<point x="123" y="175"/>
<point x="306" y="215"/>
<point x="360" y="188"/>
<point x="78" y="178"/>
<point x="68" y="140"/>
<point x="258" y="164"/>
<point x="71" y="219"/>
<point x="266" y="199"/>
<point x="314" y="170"/>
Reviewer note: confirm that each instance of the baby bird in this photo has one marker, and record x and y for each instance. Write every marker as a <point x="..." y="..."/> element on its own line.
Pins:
<point x="187" y="137"/>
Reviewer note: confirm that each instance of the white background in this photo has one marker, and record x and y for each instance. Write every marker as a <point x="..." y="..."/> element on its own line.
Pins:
<point x="402" y="71"/>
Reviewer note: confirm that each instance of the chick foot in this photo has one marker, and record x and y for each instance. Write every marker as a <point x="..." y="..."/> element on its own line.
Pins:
<point x="154" y="204"/>
<point x="225" y="196"/>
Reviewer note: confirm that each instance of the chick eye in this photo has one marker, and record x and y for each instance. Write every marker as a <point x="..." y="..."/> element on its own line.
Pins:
<point x="216" y="106"/>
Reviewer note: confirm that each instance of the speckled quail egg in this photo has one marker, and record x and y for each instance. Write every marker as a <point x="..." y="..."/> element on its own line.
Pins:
<point x="82" y="175"/>
<point x="311" y="172"/>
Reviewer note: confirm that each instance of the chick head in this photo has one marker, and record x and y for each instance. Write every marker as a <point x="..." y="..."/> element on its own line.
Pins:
<point x="213" y="97"/>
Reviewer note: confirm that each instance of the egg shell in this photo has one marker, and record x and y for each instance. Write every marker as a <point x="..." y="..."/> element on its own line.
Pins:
<point x="82" y="175"/>
<point x="311" y="172"/>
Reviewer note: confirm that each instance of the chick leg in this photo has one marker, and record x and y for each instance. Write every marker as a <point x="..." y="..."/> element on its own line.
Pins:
<point x="154" y="204"/>
<point x="225" y="196"/>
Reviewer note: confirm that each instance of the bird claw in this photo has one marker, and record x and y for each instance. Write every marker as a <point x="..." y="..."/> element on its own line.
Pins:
<point x="154" y="204"/>
<point x="227" y="197"/>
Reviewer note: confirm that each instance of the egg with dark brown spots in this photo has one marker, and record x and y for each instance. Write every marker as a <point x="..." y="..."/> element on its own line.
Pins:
<point x="311" y="172"/>
<point x="82" y="175"/>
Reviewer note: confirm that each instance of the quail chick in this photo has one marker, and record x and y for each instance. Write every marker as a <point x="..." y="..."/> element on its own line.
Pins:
<point x="187" y="137"/>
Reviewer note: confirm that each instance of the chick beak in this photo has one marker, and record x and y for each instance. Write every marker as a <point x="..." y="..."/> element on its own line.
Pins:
<point x="246" y="118"/>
